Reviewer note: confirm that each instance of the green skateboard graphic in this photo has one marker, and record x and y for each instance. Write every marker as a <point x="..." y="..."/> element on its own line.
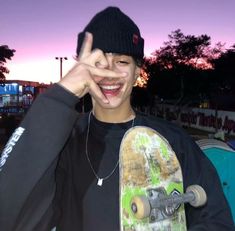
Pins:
<point x="150" y="178"/>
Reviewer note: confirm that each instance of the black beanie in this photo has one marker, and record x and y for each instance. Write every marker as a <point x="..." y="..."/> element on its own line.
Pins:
<point x="114" y="32"/>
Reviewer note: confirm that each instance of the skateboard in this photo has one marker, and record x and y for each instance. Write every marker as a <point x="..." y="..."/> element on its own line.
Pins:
<point x="150" y="179"/>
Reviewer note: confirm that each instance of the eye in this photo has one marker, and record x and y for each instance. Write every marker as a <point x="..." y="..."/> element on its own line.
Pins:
<point x="123" y="62"/>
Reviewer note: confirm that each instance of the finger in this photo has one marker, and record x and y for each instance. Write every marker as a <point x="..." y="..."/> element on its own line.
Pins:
<point x="99" y="58"/>
<point x="102" y="63"/>
<point x="86" y="45"/>
<point x="95" y="91"/>
<point x="96" y="58"/>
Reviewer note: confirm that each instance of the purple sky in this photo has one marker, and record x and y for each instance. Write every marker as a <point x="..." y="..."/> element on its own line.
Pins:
<point x="39" y="30"/>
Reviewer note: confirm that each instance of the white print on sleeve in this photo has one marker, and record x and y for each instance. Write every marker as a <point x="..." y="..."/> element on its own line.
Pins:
<point x="10" y="144"/>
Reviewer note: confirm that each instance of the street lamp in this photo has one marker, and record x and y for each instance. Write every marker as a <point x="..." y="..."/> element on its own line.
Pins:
<point x="61" y="64"/>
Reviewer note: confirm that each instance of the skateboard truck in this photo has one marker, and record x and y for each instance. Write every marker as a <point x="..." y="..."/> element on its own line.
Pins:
<point x="157" y="205"/>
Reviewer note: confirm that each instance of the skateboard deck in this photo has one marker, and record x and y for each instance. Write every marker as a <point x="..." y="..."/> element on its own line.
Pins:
<point x="149" y="171"/>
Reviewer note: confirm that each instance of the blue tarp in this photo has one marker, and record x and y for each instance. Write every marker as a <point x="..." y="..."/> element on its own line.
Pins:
<point x="223" y="158"/>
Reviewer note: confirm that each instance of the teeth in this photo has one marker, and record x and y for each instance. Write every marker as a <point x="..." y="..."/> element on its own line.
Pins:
<point x="110" y="87"/>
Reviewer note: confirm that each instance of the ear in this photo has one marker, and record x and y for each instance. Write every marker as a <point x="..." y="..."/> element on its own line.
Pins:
<point x="137" y="72"/>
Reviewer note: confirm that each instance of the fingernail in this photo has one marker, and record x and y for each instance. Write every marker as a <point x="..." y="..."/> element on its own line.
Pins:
<point x="124" y="73"/>
<point x="87" y="34"/>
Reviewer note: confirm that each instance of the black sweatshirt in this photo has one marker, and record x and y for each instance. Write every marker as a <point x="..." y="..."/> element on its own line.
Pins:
<point x="46" y="179"/>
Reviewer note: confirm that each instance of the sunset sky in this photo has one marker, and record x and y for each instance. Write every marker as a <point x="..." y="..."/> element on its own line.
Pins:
<point x="40" y="30"/>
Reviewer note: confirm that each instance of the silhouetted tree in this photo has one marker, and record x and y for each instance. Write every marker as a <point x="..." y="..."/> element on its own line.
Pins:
<point x="224" y="69"/>
<point x="183" y="49"/>
<point x="5" y="53"/>
<point x="223" y="86"/>
<point x="177" y="69"/>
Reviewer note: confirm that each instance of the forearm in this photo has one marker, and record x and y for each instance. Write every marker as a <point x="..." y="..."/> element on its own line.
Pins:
<point x="31" y="156"/>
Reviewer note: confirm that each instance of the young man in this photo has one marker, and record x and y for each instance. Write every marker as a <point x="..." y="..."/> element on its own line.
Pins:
<point x="53" y="161"/>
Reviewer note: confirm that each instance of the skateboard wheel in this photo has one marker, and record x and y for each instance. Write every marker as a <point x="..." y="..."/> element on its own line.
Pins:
<point x="140" y="207"/>
<point x="200" y="197"/>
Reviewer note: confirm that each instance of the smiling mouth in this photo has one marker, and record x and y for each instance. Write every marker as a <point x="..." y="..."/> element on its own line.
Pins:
<point x="111" y="90"/>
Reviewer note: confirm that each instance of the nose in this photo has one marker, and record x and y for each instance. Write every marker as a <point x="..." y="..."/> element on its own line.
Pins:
<point x="110" y="61"/>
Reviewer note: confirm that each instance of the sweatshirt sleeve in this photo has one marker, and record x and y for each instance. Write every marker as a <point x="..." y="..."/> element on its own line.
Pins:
<point x="29" y="159"/>
<point x="215" y="214"/>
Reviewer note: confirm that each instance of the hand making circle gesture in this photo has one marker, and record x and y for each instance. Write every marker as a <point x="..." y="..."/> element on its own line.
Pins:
<point x="90" y="69"/>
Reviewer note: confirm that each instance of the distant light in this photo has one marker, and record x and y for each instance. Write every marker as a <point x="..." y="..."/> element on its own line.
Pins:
<point x="61" y="58"/>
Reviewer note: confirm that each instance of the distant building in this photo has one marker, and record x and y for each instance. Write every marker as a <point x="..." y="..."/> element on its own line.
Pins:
<point x="16" y="96"/>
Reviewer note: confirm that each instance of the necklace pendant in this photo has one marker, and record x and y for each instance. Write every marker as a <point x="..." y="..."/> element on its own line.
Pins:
<point x="100" y="182"/>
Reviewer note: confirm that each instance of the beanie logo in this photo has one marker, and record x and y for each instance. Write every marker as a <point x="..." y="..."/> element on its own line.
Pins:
<point x="135" y="39"/>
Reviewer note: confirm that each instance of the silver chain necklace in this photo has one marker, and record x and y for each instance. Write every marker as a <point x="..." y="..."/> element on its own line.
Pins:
<point x="99" y="179"/>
